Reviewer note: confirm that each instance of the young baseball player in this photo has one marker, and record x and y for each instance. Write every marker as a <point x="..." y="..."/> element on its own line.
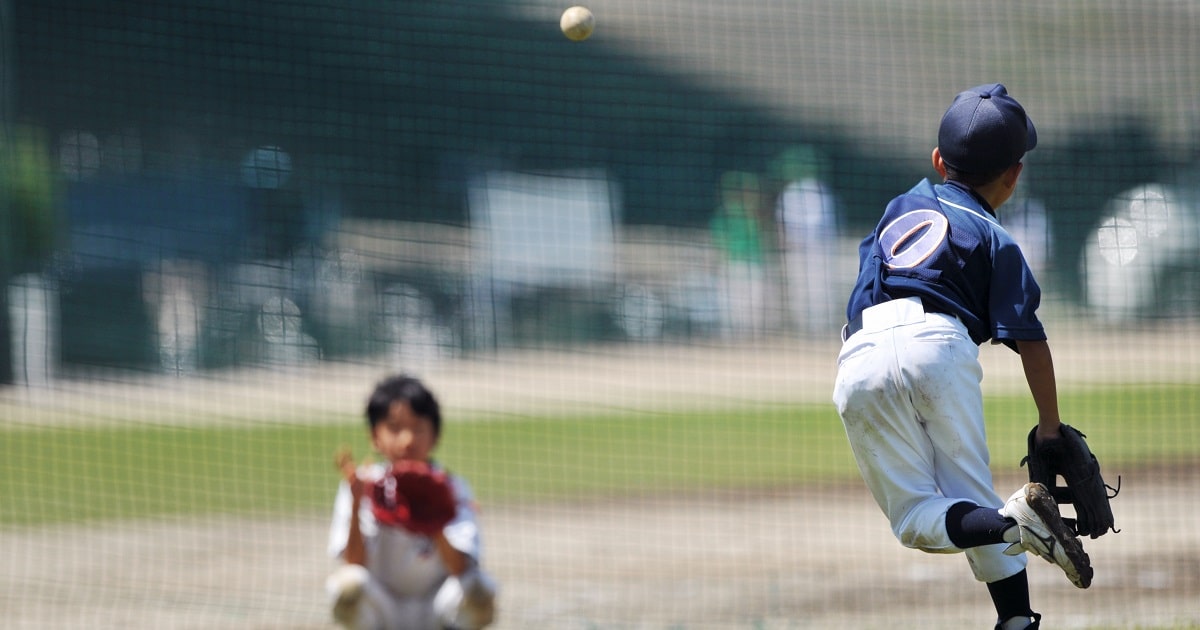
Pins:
<point x="938" y="277"/>
<point x="391" y="576"/>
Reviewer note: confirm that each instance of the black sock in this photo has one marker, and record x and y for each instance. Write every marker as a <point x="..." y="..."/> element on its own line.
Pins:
<point x="970" y="525"/>
<point x="1010" y="596"/>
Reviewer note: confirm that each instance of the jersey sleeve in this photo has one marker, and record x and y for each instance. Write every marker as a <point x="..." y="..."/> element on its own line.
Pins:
<point x="1015" y="296"/>
<point x="463" y="532"/>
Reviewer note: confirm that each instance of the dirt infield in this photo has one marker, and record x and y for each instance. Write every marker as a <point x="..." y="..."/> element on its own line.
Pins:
<point x="808" y="558"/>
<point x="804" y="557"/>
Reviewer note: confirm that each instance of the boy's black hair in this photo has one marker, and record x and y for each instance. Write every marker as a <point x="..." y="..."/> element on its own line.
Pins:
<point x="974" y="180"/>
<point x="402" y="387"/>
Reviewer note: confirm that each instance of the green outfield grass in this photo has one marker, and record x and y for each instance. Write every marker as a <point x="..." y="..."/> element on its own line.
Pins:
<point x="72" y="474"/>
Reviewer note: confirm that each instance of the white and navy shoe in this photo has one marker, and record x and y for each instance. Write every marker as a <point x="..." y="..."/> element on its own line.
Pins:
<point x="1045" y="534"/>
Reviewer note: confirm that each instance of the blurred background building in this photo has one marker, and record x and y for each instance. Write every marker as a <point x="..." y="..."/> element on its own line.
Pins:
<point x="195" y="185"/>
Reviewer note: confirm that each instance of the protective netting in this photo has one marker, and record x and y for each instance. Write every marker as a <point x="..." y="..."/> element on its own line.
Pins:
<point x="620" y="263"/>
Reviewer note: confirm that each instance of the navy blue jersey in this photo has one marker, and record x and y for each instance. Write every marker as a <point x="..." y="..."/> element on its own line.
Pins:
<point x="941" y="244"/>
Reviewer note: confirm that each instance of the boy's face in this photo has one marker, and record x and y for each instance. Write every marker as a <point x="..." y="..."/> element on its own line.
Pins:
<point x="404" y="435"/>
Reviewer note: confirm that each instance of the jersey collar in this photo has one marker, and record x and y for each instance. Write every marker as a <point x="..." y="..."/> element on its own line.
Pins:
<point x="987" y="207"/>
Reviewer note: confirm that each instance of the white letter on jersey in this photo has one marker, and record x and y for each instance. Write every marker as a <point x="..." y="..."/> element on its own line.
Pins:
<point x="912" y="238"/>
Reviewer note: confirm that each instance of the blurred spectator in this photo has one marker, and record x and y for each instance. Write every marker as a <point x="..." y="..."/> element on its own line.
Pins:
<point x="737" y="234"/>
<point x="175" y="292"/>
<point x="30" y="234"/>
<point x="806" y="213"/>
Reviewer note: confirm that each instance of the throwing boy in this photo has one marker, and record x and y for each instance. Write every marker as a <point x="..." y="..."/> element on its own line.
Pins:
<point x="938" y="277"/>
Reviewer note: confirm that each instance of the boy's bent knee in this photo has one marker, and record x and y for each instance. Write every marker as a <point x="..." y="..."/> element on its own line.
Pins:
<point x="923" y="527"/>
<point x="927" y="542"/>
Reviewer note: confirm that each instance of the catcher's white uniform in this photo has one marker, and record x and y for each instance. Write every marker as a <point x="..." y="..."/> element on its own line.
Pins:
<point x="405" y="584"/>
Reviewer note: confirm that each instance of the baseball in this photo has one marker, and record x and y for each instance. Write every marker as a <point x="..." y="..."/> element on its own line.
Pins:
<point x="577" y="23"/>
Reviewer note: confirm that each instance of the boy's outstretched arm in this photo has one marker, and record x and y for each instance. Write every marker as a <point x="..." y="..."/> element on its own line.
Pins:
<point x="356" y="549"/>
<point x="1038" y="365"/>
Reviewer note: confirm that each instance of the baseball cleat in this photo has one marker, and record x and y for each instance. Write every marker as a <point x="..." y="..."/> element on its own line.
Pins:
<point x="1045" y="534"/>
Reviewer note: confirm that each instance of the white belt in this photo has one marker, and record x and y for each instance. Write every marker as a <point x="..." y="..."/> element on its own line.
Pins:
<point x="886" y="315"/>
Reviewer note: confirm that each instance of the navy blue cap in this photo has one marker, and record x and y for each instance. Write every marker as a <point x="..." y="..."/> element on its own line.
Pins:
<point x="985" y="131"/>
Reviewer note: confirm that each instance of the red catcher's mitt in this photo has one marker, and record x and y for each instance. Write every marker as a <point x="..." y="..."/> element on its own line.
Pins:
<point x="414" y="496"/>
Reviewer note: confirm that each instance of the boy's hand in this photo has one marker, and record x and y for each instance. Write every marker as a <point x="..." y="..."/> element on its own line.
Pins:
<point x="343" y="459"/>
<point x="1069" y="456"/>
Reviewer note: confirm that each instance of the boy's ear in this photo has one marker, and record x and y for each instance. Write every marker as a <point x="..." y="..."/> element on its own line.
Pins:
<point x="939" y="164"/>
<point x="1013" y="174"/>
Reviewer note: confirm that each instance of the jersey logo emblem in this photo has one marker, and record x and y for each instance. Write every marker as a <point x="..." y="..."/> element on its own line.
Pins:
<point x="912" y="238"/>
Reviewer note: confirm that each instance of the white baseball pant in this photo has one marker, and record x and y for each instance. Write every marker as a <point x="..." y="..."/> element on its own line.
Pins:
<point x="908" y="392"/>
